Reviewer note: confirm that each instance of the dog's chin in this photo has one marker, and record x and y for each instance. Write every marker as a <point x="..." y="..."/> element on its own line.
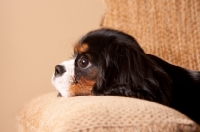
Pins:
<point x="62" y="84"/>
<point x="65" y="80"/>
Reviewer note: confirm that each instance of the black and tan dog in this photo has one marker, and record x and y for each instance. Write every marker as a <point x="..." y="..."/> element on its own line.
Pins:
<point x="110" y="62"/>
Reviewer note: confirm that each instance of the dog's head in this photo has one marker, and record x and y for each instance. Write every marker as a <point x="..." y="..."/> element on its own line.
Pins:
<point x="110" y="62"/>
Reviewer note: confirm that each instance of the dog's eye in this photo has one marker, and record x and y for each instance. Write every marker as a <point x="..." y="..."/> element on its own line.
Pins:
<point x="83" y="62"/>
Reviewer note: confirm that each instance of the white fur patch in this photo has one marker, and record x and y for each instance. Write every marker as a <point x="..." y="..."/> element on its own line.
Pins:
<point x="63" y="82"/>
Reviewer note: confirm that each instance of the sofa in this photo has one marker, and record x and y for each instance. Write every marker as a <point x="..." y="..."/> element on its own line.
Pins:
<point x="167" y="28"/>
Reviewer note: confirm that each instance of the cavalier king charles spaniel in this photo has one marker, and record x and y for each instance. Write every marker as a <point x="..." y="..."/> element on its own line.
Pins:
<point x="110" y="62"/>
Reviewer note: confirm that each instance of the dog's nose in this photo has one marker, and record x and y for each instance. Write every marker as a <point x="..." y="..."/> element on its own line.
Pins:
<point x="59" y="70"/>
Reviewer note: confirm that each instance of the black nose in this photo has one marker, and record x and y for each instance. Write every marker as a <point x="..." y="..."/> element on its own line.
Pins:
<point x="59" y="70"/>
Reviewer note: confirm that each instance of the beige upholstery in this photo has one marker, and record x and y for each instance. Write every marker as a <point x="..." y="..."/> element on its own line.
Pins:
<point x="49" y="113"/>
<point x="167" y="28"/>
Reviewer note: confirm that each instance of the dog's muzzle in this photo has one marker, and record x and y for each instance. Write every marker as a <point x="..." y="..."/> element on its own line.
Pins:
<point x="63" y="77"/>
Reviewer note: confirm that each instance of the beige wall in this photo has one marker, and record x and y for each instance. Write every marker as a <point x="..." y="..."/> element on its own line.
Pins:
<point x="35" y="35"/>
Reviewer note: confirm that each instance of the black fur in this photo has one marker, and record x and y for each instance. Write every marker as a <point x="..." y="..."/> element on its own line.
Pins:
<point x="126" y="70"/>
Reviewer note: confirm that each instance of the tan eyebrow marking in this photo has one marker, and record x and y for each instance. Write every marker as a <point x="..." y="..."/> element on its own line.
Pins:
<point x="80" y="48"/>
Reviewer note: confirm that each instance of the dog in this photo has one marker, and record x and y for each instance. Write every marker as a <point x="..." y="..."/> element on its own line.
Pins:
<point x="110" y="62"/>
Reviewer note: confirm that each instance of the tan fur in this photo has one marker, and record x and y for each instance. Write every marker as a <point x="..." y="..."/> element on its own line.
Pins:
<point x="83" y="87"/>
<point x="81" y="48"/>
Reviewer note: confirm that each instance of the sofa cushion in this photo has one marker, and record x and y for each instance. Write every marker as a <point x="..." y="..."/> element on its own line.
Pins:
<point x="100" y="114"/>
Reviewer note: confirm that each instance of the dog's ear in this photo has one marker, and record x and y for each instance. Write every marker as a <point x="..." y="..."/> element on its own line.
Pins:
<point x="127" y="71"/>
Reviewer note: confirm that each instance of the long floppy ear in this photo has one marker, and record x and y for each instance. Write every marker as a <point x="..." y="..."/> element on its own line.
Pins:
<point x="127" y="71"/>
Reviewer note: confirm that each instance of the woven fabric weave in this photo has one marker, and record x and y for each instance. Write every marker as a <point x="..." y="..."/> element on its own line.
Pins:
<point x="169" y="29"/>
<point x="48" y="113"/>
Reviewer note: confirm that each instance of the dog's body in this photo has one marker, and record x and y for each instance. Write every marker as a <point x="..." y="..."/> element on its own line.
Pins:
<point x="185" y="94"/>
<point x="109" y="62"/>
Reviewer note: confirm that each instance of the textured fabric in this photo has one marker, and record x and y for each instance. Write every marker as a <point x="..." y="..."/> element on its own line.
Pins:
<point x="49" y="113"/>
<point x="169" y="29"/>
